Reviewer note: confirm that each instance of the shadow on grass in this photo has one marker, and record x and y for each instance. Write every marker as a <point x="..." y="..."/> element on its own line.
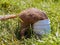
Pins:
<point x="28" y="33"/>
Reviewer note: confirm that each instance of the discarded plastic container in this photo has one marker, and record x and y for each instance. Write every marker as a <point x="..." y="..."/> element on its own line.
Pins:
<point x="42" y="27"/>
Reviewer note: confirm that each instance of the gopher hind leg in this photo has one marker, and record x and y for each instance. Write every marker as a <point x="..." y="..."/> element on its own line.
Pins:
<point x="24" y="28"/>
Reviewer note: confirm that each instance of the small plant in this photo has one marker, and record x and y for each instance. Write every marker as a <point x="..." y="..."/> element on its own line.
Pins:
<point x="8" y="27"/>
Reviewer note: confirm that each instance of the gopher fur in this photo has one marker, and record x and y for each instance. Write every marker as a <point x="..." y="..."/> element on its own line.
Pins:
<point x="29" y="17"/>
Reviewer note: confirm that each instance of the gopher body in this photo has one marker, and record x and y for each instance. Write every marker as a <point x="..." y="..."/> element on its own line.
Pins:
<point x="29" y="17"/>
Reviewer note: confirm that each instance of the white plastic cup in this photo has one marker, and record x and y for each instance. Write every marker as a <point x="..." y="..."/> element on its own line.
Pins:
<point x="42" y="27"/>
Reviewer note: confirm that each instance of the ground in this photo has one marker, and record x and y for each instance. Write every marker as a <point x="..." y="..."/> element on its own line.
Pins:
<point x="9" y="28"/>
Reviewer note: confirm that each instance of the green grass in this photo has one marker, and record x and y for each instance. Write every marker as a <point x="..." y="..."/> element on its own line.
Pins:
<point x="9" y="27"/>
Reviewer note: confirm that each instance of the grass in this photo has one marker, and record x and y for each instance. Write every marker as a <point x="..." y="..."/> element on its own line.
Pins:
<point x="8" y="28"/>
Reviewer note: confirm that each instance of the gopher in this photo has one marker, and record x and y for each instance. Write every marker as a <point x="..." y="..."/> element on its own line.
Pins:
<point x="29" y="17"/>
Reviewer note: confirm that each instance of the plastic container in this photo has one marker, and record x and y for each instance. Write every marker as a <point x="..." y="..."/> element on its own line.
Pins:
<point x="42" y="27"/>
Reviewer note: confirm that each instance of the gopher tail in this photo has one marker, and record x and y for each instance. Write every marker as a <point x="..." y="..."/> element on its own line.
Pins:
<point x="5" y="17"/>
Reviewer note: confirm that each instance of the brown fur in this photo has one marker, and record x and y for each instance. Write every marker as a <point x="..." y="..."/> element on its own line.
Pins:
<point x="29" y="16"/>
